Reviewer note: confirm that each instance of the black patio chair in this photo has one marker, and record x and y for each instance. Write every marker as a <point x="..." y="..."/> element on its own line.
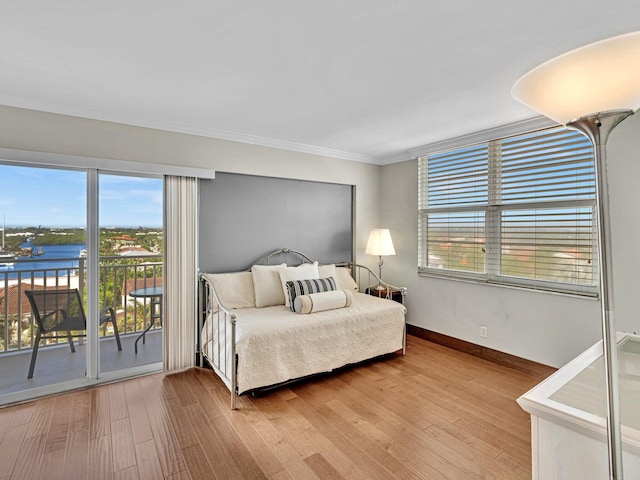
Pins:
<point x="58" y="311"/>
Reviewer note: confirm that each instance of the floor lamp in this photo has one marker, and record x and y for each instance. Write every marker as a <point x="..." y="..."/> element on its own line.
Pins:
<point x="593" y="89"/>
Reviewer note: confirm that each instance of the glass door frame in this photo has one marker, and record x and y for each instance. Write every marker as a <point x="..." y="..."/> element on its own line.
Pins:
<point x="93" y="277"/>
<point x="93" y="274"/>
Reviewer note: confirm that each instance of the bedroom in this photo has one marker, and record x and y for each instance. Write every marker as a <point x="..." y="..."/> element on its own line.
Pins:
<point x="549" y="329"/>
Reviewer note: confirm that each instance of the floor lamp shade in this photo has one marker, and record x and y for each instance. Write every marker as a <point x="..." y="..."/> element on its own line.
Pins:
<point x="600" y="77"/>
<point x="380" y="243"/>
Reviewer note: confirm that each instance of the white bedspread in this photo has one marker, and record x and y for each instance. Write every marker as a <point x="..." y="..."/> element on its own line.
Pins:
<point x="275" y="344"/>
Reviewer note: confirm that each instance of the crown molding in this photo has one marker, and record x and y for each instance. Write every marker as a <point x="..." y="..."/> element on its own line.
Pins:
<point x="395" y="158"/>
<point x="515" y="128"/>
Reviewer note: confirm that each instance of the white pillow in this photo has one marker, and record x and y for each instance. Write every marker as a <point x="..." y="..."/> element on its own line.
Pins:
<point x="235" y="290"/>
<point x="267" y="286"/>
<point x="344" y="280"/>
<point x="306" y="271"/>
<point x="319" y="302"/>
<point x="325" y="271"/>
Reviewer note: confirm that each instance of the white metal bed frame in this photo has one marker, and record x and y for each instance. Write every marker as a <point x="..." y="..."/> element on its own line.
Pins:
<point x="364" y="277"/>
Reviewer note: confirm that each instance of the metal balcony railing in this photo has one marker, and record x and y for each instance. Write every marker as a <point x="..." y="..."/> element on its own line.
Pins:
<point x="118" y="276"/>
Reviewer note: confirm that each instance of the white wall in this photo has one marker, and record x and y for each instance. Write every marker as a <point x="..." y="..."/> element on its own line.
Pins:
<point x="623" y="152"/>
<point x="44" y="132"/>
<point x="544" y="327"/>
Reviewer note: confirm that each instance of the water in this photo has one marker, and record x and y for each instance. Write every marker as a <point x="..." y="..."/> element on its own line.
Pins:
<point x="55" y="257"/>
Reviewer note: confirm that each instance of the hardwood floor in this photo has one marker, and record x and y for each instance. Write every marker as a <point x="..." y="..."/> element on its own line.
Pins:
<point x="435" y="413"/>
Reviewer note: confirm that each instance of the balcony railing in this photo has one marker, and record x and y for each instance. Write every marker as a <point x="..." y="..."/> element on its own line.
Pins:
<point x="118" y="276"/>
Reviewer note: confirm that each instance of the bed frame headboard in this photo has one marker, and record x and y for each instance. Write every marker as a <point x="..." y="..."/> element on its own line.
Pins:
<point x="282" y="255"/>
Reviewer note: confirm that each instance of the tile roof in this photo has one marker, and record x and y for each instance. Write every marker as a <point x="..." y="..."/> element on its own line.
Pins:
<point x="14" y="299"/>
<point x="136" y="283"/>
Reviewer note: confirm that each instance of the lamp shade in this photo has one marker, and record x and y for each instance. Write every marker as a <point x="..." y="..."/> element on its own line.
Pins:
<point x="380" y="242"/>
<point x="600" y="77"/>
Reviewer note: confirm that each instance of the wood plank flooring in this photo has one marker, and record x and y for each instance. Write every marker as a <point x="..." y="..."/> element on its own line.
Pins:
<point x="435" y="413"/>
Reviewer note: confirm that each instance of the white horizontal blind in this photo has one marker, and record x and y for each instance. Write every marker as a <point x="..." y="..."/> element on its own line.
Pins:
<point x="553" y="245"/>
<point x="458" y="178"/>
<point x="546" y="194"/>
<point x="519" y="210"/>
<point x="454" y="189"/>
<point x="551" y="165"/>
<point x="456" y="241"/>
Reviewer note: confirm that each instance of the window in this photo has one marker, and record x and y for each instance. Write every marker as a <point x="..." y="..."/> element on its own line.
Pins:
<point x="516" y="211"/>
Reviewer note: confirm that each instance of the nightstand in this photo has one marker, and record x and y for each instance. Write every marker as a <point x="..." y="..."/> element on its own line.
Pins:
<point x="392" y="293"/>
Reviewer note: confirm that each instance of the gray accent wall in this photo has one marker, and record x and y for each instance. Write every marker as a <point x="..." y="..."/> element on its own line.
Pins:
<point x="243" y="217"/>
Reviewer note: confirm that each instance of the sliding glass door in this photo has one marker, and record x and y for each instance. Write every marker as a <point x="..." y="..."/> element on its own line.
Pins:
<point x="81" y="277"/>
<point x="43" y="215"/>
<point x="130" y="269"/>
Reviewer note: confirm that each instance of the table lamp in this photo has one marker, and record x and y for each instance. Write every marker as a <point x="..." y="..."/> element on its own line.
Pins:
<point x="592" y="89"/>
<point x="380" y="244"/>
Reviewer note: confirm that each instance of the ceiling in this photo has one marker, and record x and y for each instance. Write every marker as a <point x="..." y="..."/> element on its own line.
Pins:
<point x="363" y="80"/>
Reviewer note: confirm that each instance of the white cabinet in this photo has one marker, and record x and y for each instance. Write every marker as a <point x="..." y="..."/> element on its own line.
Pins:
<point x="568" y="410"/>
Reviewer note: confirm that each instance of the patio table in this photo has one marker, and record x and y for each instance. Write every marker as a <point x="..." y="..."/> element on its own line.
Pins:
<point x="155" y="294"/>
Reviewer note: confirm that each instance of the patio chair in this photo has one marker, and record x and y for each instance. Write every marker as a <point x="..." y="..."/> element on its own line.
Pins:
<point x="58" y="311"/>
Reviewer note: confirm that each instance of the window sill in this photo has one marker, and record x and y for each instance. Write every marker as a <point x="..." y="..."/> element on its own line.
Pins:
<point x="492" y="283"/>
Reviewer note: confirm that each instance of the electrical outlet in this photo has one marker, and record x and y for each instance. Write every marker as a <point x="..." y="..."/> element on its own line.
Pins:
<point x="484" y="333"/>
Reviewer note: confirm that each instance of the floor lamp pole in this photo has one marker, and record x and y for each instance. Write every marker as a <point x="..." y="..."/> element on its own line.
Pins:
<point x="598" y="127"/>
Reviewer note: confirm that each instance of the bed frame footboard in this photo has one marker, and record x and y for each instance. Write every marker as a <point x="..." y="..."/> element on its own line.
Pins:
<point x="222" y="355"/>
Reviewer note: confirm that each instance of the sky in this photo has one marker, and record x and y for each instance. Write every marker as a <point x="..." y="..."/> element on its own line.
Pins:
<point x="57" y="198"/>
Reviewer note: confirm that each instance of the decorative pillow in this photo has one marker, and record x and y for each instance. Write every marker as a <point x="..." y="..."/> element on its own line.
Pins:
<point x="266" y="285"/>
<point x="301" y="272"/>
<point x="305" y="287"/>
<point x="325" y="271"/>
<point x="319" y="302"/>
<point x="235" y="290"/>
<point x="344" y="280"/>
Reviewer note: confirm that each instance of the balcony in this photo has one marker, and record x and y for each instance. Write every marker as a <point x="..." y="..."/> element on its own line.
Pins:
<point x="118" y="277"/>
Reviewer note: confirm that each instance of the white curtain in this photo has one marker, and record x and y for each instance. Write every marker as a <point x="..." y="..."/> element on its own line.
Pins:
<point x="180" y="263"/>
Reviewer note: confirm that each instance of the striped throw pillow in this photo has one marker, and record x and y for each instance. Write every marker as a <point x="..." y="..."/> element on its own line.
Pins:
<point x="305" y="287"/>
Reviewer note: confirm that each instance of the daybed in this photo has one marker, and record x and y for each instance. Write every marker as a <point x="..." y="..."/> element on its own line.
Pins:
<point x="253" y="340"/>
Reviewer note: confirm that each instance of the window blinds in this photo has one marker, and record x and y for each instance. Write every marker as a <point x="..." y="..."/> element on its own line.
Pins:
<point x="519" y="210"/>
